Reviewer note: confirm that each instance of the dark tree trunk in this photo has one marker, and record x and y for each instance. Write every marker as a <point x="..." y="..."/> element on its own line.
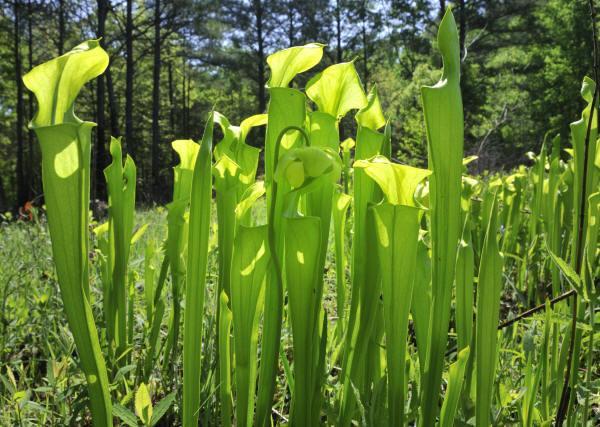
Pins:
<point x="258" y="10"/>
<point x="338" y="31"/>
<point x="101" y="153"/>
<point x="172" y="111"/>
<point x="21" y="184"/>
<point x="188" y="104"/>
<point x="156" y="185"/>
<point x="3" y="204"/>
<point x="442" y="8"/>
<point x="61" y="26"/>
<point x="290" y="23"/>
<point x="32" y="182"/>
<point x="184" y="125"/>
<point x="463" y="28"/>
<point x="365" y="43"/>
<point x="112" y="105"/>
<point x="129" y="80"/>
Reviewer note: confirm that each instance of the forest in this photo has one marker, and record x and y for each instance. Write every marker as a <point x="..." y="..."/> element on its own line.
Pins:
<point x="273" y="213"/>
<point x="171" y="61"/>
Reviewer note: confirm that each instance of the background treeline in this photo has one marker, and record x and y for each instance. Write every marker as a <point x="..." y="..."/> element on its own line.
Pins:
<point x="171" y="61"/>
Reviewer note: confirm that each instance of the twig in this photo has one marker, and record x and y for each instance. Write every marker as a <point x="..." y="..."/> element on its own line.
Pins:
<point x="527" y="313"/>
<point x="536" y="309"/>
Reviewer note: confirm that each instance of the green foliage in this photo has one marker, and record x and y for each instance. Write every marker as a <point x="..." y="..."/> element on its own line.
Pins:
<point x="257" y="300"/>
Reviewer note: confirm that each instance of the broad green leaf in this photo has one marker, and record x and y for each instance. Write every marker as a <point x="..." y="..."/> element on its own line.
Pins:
<point x="337" y="90"/>
<point x="161" y="408"/>
<point x="302" y="248"/>
<point x="323" y="130"/>
<point x="369" y="143"/>
<point x="442" y="107"/>
<point x="287" y="63"/>
<point x="197" y="260"/>
<point x="249" y="198"/>
<point x="125" y="415"/>
<point x="397" y="182"/>
<point x="397" y="228"/>
<point x="143" y="404"/>
<point x="249" y="269"/>
<point x="455" y="383"/>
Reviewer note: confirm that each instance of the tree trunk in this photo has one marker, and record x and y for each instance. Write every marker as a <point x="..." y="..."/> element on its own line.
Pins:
<point x="61" y="26"/>
<point x="290" y="17"/>
<point x="338" y="31"/>
<point x="3" y="204"/>
<point x="101" y="160"/>
<point x="21" y="184"/>
<point x="32" y="181"/>
<point x="363" y="12"/>
<point x="442" y="8"/>
<point x="129" y="80"/>
<point x="188" y="104"/>
<point x="156" y="185"/>
<point x="258" y="10"/>
<point x="172" y="111"/>
<point x="184" y="127"/>
<point x="463" y="28"/>
<point x="112" y="105"/>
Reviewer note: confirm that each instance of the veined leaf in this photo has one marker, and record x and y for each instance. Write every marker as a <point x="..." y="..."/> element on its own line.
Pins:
<point x="249" y="267"/>
<point x="397" y="228"/>
<point x="57" y="83"/>
<point x="302" y="248"/>
<point x="397" y="182"/>
<point x="337" y="90"/>
<point x="143" y="404"/>
<point x="287" y="63"/>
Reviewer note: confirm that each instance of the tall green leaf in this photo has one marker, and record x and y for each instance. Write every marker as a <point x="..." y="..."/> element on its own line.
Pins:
<point x="65" y="144"/>
<point x="442" y="107"/>
<point x="197" y="260"/>
<point x="489" y="289"/>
